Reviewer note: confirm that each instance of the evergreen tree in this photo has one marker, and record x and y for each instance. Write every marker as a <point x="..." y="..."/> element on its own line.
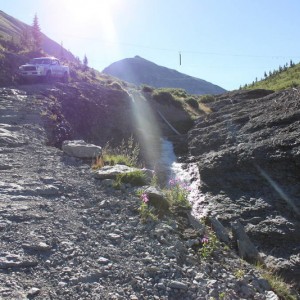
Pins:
<point x="265" y="74"/>
<point x="85" y="63"/>
<point x="62" y="52"/>
<point x="36" y="34"/>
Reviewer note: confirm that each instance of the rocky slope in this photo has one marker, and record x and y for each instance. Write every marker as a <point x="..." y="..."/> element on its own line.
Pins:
<point x="138" y="70"/>
<point x="248" y="155"/>
<point x="67" y="235"/>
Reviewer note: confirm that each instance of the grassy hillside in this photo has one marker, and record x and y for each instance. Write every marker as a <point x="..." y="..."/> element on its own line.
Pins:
<point x="283" y="78"/>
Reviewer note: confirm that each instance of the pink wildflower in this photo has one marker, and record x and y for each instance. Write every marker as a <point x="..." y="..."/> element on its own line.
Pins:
<point x="204" y="240"/>
<point x="145" y="198"/>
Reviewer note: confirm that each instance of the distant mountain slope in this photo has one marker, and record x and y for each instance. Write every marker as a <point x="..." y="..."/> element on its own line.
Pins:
<point x="12" y="29"/>
<point x="138" y="71"/>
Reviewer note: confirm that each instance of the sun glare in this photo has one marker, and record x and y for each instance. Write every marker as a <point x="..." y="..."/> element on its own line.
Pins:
<point x="91" y="17"/>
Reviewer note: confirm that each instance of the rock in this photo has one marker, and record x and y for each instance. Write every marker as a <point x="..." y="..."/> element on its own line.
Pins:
<point x="111" y="172"/>
<point x="81" y="149"/>
<point x="103" y="260"/>
<point x="9" y="139"/>
<point x="270" y="295"/>
<point x="33" y="292"/>
<point x="12" y="260"/>
<point x="248" y="156"/>
<point x="47" y="190"/>
<point x="195" y="223"/>
<point x="246" y="248"/>
<point x="220" y="230"/>
<point x="41" y="246"/>
<point x="178" y="285"/>
<point x="157" y="198"/>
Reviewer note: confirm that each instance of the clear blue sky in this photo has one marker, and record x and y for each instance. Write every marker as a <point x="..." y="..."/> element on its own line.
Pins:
<point x="226" y="42"/>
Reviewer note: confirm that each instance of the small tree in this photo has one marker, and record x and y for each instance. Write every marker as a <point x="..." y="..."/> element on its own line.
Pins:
<point x="85" y="63"/>
<point x="62" y="52"/>
<point x="36" y="34"/>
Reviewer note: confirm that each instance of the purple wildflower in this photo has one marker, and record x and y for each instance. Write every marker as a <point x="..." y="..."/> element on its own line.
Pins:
<point x="145" y="198"/>
<point x="205" y="240"/>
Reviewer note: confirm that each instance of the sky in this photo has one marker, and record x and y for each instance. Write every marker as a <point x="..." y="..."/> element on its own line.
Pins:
<point x="225" y="42"/>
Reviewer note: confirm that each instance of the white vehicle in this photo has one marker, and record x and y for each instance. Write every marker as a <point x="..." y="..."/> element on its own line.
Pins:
<point x="45" y="68"/>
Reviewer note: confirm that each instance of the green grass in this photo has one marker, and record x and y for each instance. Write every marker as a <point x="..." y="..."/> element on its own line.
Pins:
<point x="135" y="178"/>
<point x="278" y="285"/>
<point x="281" y="80"/>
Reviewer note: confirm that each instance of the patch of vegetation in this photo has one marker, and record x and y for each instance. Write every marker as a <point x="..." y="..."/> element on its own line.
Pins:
<point x="284" y="77"/>
<point x="209" y="244"/>
<point x="147" y="89"/>
<point x="135" y="178"/>
<point x="165" y="97"/>
<point x="281" y="288"/>
<point x="177" y="194"/>
<point x="147" y="213"/>
<point x="125" y="154"/>
<point x="192" y="102"/>
<point x="207" y="98"/>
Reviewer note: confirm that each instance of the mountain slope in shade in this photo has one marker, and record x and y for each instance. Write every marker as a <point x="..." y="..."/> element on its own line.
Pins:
<point x="138" y="71"/>
<point x="12" y="29"/>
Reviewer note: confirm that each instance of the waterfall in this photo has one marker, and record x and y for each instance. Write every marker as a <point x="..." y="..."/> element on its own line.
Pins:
<point x="187" y="173"/>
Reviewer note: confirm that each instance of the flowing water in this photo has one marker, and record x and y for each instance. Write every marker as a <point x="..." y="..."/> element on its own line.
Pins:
<point x="187" y="173"/>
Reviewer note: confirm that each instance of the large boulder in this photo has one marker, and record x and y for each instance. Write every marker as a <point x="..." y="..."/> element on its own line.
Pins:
<point x="81" y="149"/>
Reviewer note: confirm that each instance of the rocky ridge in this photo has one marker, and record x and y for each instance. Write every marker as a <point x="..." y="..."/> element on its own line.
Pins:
<point x="248" y="156"/>
<point x="67" y="235"/>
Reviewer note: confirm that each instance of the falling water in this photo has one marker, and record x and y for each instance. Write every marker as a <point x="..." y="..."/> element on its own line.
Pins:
<point x="187" y="173"/>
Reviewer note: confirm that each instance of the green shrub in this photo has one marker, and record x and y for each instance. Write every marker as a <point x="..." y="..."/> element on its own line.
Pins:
<point x="125" y="154"/>
<point x="166" y="98"/>
<point x="135" y="178"/>
<point x="207" y="98"/>
<point x="192" y="102"/>
<point x="147" y="89"/>
<point x="177" y="194"/>
<point x="209" y="244"/>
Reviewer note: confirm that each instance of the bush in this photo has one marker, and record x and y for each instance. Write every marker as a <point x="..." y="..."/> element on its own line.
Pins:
<point x="135" y="178"/>
<point x="192" y="102"/>
<point x="166" y="98"/>
<point x="177" y="194"/>
<point x="207" y="98"/>
<point x="147" y="89"/>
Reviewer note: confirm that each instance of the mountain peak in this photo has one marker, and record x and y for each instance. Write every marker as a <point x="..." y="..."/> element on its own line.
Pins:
<point x="138" y="70"/>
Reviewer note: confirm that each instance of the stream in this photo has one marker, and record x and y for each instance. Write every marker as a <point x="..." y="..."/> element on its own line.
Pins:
<point x="187" y="173"/>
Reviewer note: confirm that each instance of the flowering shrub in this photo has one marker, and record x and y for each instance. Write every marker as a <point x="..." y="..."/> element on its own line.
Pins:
<point x="177" y="193"/>
<point x="209" y="244"/>
<point x="146" y="212"/>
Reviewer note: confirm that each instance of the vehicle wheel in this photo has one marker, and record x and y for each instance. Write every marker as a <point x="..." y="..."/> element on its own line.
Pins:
<point x="48" y="78"/>
<point x="65" y="78"/>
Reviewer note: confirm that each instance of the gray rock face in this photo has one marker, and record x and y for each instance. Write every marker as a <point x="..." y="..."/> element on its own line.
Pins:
<point x="248" y="154"/>
<point x="81" y="149"/>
